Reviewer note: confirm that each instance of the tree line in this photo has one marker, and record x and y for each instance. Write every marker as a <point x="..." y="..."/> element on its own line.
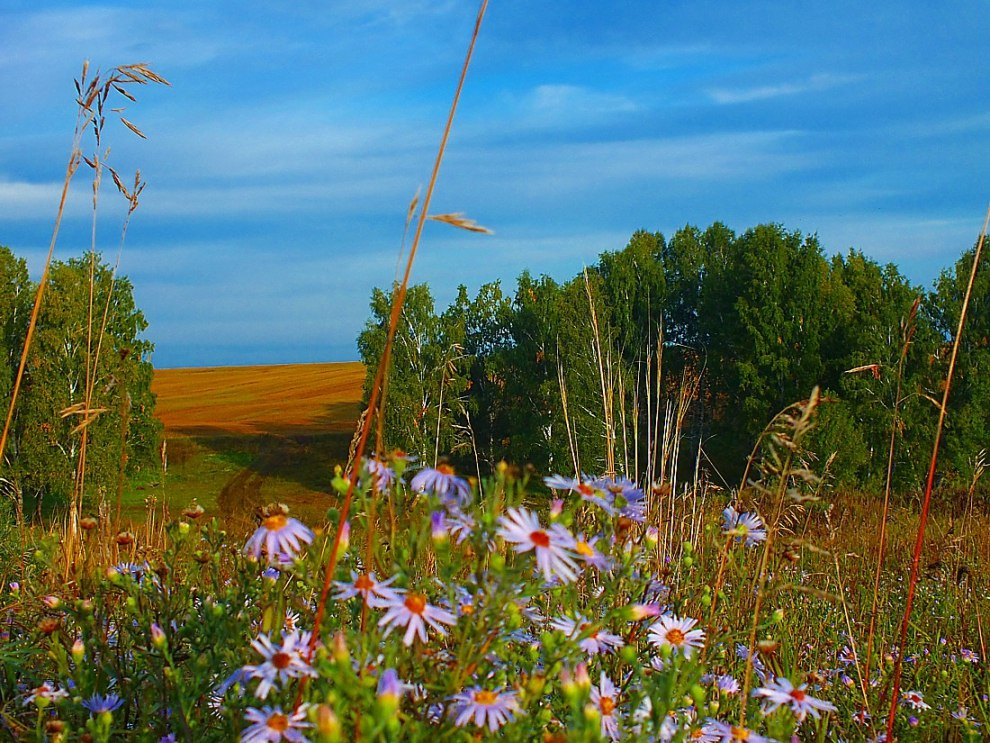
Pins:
<point x="43" y="448"/>
<point x="668" y="358"/>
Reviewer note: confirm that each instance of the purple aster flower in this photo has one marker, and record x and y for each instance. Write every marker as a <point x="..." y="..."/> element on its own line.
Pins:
<point x="441" y="481"/>
<point x="272" y="724"/>
<point x="99" y="703"/>
<point x="551" y="546"/>
<point x="747" y="528"/>
<point x="491" y="709"/>
<point x="278" y="535"/>
<point x="781" y="692"/>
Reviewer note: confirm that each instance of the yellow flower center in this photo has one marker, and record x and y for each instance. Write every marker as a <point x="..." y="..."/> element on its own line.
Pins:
<point x="540" y="539"/>
<point x="416" y="603"/>
<point x="278" y="722"/>
<point x="275" y="522"/>
<point x="281" y="660"/>
<point x="485" y="697"/>
<point x="606" y="705"/>
<point x="364" y="583"/>
<point x="675" y="637"/>
<point x="584" y="549"/>
<point x="445" y="469"/>
<point x="739" y="733"/>
<point x="585" y="489"/>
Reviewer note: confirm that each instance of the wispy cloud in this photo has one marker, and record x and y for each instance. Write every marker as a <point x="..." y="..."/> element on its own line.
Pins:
<point x="813" y="84"/>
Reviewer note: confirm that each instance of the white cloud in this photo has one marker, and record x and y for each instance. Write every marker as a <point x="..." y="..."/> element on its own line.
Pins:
<point x="815" y="83"/>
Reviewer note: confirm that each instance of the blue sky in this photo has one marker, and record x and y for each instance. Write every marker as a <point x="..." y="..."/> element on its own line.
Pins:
<point x="282" y="160"/>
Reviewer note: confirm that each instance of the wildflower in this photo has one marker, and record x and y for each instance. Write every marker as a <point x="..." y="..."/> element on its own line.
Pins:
<point x="914" y="700"/>
<point x="587" y="553"/>
<point x="375" y="593"/>
<point x="591" y="640"/>
<point x="604" y="698"/>
<point x="381" y="474"/>
<point x="460" y="526"/>
<point x="413" y="612"/>
<point x="157" y="635"/>
<point x="782" y="692"/>
<point x="390" y="689"/>
<point x="586" y="490"/>
<point x="677" y="634"/>
<point x="99" y="703"/>
<point x="723" y="732"/>
<point x="486" y="708"/>
<point x="442" y="482"/>
<point x="862" y="716"/>
<point x="553" y="555"/>
<point x="962" y="714"/>
<point x="438" y="527"/>
<point x="52" y="602"/>
<point x="637" y="612"/>
<point x="742" y="652"/>
<point x="745" y="527"/>
<point x="281" y="663"/>
<point x="45" y="694"/>
<point x="969" y="656"/>
<point x="726" y="684"/>
<point x="278" y="535"/>
<point x="627" y="499"/>
<point x="271" y="724"/>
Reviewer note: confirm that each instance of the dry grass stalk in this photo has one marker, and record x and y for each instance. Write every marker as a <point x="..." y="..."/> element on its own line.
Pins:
<point x="907" y="333"/>
<point x="929" y="485"/>
<point x="457" y="219"/>
<point x="91" y="97"/>
<point x="376" y="399"/>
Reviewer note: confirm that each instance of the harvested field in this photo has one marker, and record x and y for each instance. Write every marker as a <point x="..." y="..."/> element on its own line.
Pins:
<point x="239" y="437"/>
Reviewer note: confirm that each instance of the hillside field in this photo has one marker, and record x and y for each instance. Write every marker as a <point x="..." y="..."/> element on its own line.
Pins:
<point x="240" y="437"/>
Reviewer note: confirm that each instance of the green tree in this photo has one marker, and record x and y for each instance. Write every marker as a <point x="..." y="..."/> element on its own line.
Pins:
<point x="425" y="383"/>
<point x="45" y="449"/>
<point x="967" y="431"/>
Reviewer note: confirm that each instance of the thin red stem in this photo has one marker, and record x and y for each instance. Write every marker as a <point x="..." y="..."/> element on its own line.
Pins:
<point x="920" y="541"/>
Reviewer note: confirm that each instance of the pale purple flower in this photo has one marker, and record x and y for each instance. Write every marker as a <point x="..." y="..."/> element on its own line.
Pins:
<point x="442" y="482"/>
<point x="281" y="662"/>
<point x="589" y="638"/>
<point x="382" y="475"/>
<point x="723" y="732"/>
<point x="677" y="634"/>
<point x="746" y="528"/>
<point x="587" y="552"/>
<point x="414" y="613"/>
<point x="588" y="491"/>
<point x="781" y="692"/>
<point x="99" y="703"/>
<point x="278" y="535"/>
<point x="553" y="553"/>
<point x="491" y="709"/>
<point x="374" y="592"/>
<point x="605" y="699"/>
<point x="272" y="724"/>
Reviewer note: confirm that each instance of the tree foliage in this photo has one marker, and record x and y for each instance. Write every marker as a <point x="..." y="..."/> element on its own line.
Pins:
<point x="701" y="338"/>
<point x="43" y="450"/>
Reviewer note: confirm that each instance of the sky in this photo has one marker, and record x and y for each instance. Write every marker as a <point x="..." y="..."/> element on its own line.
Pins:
<point x="281" y="162"/>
